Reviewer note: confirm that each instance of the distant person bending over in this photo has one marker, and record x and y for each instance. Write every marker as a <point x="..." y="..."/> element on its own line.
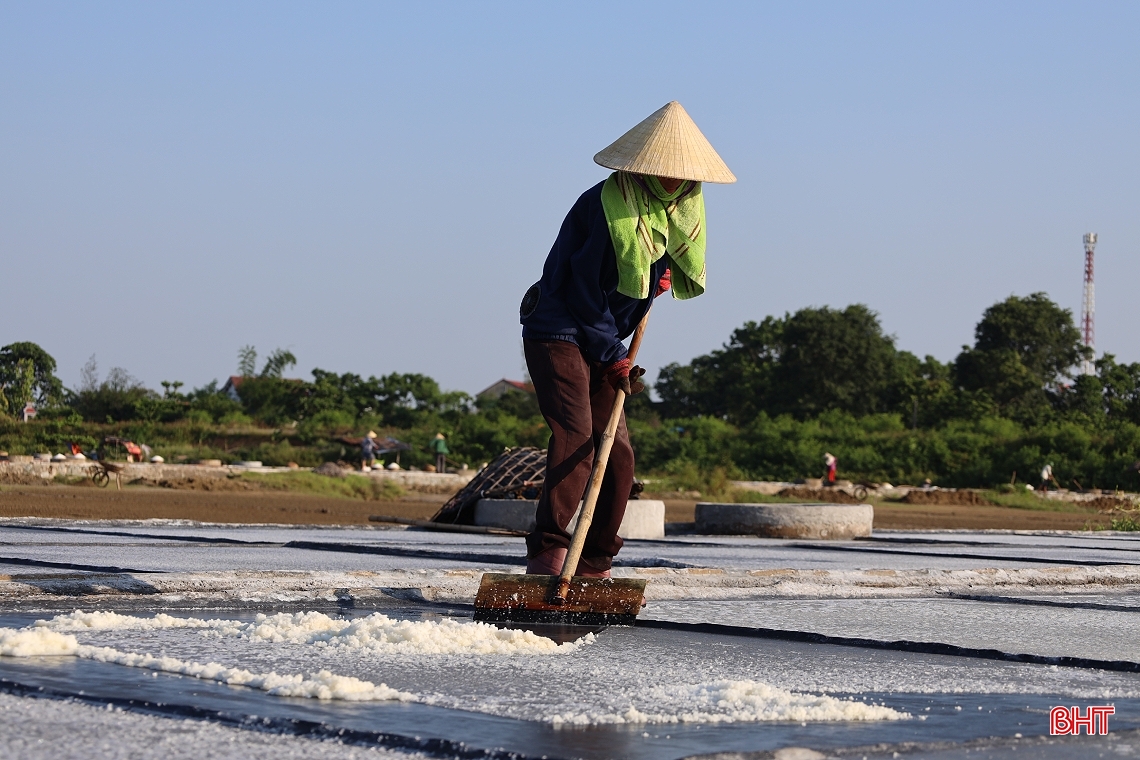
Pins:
<point x="134" y="451"/>
<point x="368" y="452"/>
<point x="439" y="446"/>
<point x="625" y="241"/>
<point x="1046" y="476"/>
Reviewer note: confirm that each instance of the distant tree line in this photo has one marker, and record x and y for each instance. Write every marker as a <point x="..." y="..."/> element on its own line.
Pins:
<point x="273" y="418"/>
<point x="821" y="359"/>
<point x="781" y="392"/>
<point x="765" y="405"/>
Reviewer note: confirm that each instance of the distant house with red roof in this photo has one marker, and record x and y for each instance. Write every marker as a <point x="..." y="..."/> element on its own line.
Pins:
<point x="232" y="385"/>
<point x="504" y="386"/>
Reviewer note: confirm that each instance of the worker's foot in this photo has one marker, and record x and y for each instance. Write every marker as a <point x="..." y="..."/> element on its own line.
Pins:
<point x="548" y="562"/>
<point x="587" y="570"/>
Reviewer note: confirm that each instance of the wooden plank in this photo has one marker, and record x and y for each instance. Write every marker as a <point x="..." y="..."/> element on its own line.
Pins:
<point x="518" y="593"/>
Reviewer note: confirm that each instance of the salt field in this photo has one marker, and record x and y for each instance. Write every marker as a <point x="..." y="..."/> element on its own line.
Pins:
<point x="155" y="638"/>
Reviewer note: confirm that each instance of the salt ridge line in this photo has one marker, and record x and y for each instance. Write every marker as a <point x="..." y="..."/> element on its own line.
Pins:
<point x="323" y="684"/>
<point x="375" y="632"/>
<point x="903" y="645"/>
<point x="112" y="569"/>
<point x="153" y="536"/>
<point x="456" y="586"/>
<point x="32" y="642"/>
<point x="743" y="701"/>
<point x="1028" y="559"/>
<point x="1031" y="602"/>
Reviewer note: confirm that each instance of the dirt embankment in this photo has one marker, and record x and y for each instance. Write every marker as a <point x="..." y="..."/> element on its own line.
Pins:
<point x="207" y="505"/>
<point x="225" y="485"/>
<point x="952" y="496"/>
<point x="829" y="495"/>
<point x="899" y="516"/>
<point x="1109" y="504"/>
<point x="20" y="478"/>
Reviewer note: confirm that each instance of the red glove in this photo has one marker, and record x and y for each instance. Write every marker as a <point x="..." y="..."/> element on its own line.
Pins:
<point x="625" y="378"/>
<point x="664" y="283"/>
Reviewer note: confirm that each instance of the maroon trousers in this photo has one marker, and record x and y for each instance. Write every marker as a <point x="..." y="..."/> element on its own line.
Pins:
<point x="576" y="401"/>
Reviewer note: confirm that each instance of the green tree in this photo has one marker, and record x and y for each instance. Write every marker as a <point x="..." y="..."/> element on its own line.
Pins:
<point x="806" y="363"/>
<point x="278" y="362"/>
<point x="20" y="387"/>
<point x="247" y="361"/>
<point x="269" y="396"/>
<point x="117" y="398"/>
<point x="213" y="402"/>
<point x="733" y="382"/>
<point x="1121" y="389"/>
<point x="834" y="359"/>
<point x="1024" y="349"/>
<point x="46" y="387"/>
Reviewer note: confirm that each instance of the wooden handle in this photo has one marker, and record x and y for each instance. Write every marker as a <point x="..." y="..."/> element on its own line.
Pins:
<point x="594" y="488"/>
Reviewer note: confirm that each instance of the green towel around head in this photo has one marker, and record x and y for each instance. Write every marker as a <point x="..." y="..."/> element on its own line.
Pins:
<point x="648" y="224"/>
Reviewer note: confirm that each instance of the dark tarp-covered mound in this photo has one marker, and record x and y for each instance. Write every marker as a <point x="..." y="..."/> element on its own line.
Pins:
<point x="515" y="474"/>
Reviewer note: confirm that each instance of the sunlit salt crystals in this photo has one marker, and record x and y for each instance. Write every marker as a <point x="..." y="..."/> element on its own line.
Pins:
<point x="320" y="685"/>
<point x="296" y="638"/>
<point x="737" y="702"/>
<point x="376" y="632"/>
<point x="112" y="621"/>
<point x="35" y="642"/>
<point x="41" y="641"/>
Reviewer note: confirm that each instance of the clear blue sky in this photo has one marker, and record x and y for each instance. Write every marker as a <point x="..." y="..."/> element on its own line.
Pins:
<point x="374" y="186"/>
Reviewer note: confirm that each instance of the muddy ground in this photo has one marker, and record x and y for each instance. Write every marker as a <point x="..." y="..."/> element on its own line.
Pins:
<point x="952" y="497"/>
<point x="139" y="503"/>
<point x="945" y="516"/>
<point x="136" y="503"/>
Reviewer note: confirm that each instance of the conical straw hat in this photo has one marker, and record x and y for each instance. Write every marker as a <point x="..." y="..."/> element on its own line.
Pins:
<point x="667" y="144"/>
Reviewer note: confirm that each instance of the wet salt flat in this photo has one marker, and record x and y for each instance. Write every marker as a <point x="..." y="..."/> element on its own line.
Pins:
<point x="96" y="731"/>
<point x="1049" y="631"/>
<point x="366" y="635"/>
<point x="170" y="548"/>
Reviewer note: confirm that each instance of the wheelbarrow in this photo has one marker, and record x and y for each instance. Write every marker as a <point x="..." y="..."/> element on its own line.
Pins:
<point x="101" y="473"/>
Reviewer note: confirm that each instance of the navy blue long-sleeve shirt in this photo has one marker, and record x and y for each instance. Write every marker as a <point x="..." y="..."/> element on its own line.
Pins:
<point x="578" y="299"/>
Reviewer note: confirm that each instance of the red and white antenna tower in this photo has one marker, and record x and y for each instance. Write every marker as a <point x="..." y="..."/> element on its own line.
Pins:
<point x="1088" y="305"/>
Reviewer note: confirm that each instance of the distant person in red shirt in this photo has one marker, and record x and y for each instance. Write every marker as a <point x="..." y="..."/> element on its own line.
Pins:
<point x="831" y="465"/>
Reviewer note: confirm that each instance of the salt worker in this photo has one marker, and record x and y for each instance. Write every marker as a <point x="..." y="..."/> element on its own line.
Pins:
<point x="439" y="446"/>
<point x="368" y="447"/>
<point x="626" y="241"/>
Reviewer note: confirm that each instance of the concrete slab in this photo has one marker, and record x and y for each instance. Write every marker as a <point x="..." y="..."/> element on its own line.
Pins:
<point x="644" y="518"/>
<point x="829" y="521"/>
<point x="512" y="514"/>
